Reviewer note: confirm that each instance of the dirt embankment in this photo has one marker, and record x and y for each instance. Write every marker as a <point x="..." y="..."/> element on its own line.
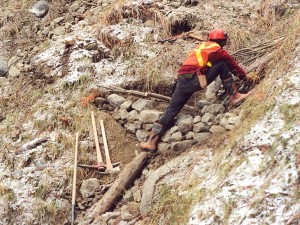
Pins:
<point x="78" y="48"/>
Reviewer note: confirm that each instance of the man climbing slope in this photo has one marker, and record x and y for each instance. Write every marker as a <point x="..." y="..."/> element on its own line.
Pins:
<point x="202" y="66"/>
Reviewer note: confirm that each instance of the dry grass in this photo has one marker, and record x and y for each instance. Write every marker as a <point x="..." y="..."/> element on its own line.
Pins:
<point x="45" y="212"/>
<point x="174" y="207"/>
<point x="124" y="10"/>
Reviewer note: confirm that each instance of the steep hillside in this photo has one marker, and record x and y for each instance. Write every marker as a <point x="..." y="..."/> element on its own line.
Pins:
<point x="215" y="166"/>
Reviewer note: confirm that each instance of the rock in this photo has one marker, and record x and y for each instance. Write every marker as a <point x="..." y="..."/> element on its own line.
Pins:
<point x="130" y="127"/>
<point x="197" y="119"/>
<point x="142" y="104"/>
<point x="130" y="211"/>
<point x="181" y="145"/>
<point x="40" y="9"/>
<point x="89" y="187"/>
<point x="115" y="100"/>
<point x="182" y="117"/>
<point x="126" y="105"/>
<point x="132" y="116"/>
<point x="163" y="147"/>
<point x="186" y="125"/>
<point x="200" y="127"/>
<point x="99" y="102"/>
<point x="167" y="137"/>
<point x="217" y="129"/>
<point x="58" y="20"/>
<point x="80" y="11"/>
<point x="201" y="137"/>
<point x="17" y="174"/>
<point x="61" y="30"/>
<point x="176" y="136"/>
<point x="46" y="31"/>
<point x="147" y="126"/>
<point x="13" y="72"/>
<point x="223" y="122"/>
<point x="190" y="135"/>
<point x="3" y="82"/>
<point x="145" y="171"/>
<point x="12" y="61"/>
<point x="40" y="164"/>
<point x="137" y="196"/>
<point x="133" y="126"/>
<point x="234" y="120"/>
<point x="207" y="117"/>
<point x="212" y="90"/>
<point x="149" y="116"/>
<point x="75" y="6"/>
<point x="142" y="135"/>
<point x="3" y="68"/>
<point x="110" y="215"/>
<point x="203" y="103"/>
<point x="91" y="46"/>
<point x="218" y="119"/>
<point x="213" y="109"/>
<point x="123" y="114"/>
<point x="127" y="197"/>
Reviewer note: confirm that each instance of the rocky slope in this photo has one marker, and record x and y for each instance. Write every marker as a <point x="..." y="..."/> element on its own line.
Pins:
<point x="215" y="166"/>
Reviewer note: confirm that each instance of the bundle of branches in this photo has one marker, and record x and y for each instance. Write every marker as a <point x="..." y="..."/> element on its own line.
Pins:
<point x="247" y="56"/>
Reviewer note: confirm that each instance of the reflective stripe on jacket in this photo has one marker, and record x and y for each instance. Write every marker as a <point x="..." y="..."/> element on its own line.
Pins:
<point x="199" y="55"/>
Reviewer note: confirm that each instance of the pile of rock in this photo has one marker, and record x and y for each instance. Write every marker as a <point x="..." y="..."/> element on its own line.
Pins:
<point x="138" y="115"/>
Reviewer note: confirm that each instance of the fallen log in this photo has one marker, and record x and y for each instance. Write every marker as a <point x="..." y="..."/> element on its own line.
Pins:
<point x="142" y="94"/>
<point x="111" y="197"/>
<point x="34" y="143"/>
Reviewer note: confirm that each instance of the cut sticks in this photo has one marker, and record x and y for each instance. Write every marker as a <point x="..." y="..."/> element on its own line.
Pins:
<point x="99" y="157"/>
<point x="109" y="165"/>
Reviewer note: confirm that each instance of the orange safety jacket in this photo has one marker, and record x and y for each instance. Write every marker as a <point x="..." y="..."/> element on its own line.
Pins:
<point x="199" y="55"/>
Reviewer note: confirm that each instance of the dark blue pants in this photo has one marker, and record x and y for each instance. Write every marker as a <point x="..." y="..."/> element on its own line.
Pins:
<point x="186" y="87"/>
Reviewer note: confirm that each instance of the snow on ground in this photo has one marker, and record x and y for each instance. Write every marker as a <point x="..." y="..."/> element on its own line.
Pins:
<point x="268" y="177"/>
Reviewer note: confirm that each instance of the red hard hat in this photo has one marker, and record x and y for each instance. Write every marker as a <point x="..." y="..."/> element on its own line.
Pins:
<point x="217" y="34"/>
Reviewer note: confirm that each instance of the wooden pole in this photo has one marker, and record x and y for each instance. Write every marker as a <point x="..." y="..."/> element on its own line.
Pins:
<point x="99" y="157"/>
<point x="74" y="179"/>
<point x="114" y="193"/>
<point x="109" y="166"/>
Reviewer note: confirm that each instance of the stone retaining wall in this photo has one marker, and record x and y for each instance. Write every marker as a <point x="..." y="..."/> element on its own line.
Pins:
<point x="137" y="117"/>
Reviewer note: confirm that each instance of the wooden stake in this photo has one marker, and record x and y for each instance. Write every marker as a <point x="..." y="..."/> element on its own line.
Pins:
<point x="74" y="179"/>
<point x="109" y="166"/>
<point x="99" y="157"/>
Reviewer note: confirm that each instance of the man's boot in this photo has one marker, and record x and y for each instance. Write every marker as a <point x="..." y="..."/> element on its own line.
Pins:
<point x="232" y="92"/>
<point x="151" y="144"/>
